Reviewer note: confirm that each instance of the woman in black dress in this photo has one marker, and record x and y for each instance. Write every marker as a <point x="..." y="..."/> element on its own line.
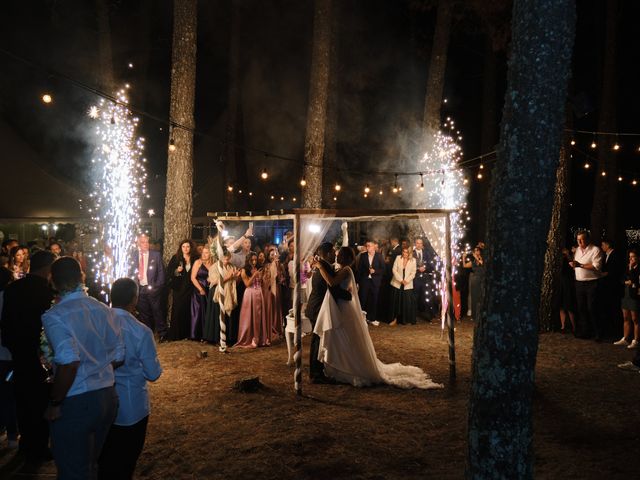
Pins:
<point x="179" y="275"/>
<point x="630" y="303"/>
<point x="567" y="292"/>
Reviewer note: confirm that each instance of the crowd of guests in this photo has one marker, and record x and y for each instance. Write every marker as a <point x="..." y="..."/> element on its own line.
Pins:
<point x="600" y="294"/>
<point x="76" y="370"/>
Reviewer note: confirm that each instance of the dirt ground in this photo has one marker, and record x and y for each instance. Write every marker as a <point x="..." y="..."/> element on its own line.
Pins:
<point x="586" y="415"/>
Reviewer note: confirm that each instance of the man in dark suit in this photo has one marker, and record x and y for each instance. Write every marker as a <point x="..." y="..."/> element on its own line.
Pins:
<point x="395" y="250"/>
<point x="151" y="280"/>
<point x="369" y="271"/>
<point x="318" y="290"/>
<point x="611" y="290"/>
<point x="24" y="303"/>
<point x="420" y="281"/>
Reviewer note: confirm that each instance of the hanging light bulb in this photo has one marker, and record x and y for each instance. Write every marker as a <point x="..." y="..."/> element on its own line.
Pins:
<point x="395" y="184"/>
<point x="573" y="142"/>
<point x="338" y="187"/>
<point x="366" y="189"/>
<point x="635" y="182"/>
<point x="264" y="175"/>
<point x="619" y="179"/>
<point x="421" y="183"/>
<point x="380" y="192"/>
<point x="586" y="165"/>
<point x="272" y="197"/>
<point x="616" y="146"/>
<point x="593" y="142"/>
<point x="230" y="188"/>
<point x="172" y="145"/>
<point x="479" y="176"/>
<point x="303" y="182"/>
<point x="604" y="174"/>
<point x="481" y="166"/>
<point x="47" y="98"/>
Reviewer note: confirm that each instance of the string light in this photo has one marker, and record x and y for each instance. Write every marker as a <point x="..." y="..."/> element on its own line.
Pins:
<point x="635" y="182"/>
<point x="303" y="182"/>
<point x="421" y="183"/>
<point x="586" y="165"/>
<point x="47" y="98"/>
<point x="395" y="184"/>
<point x="573" y="142"/>
<point x="593" y="142"/>
<point x="229" y="188"/>
<point x="264" y="175"/>
<point x="616" y="146"/>
<point x="338" y="187"/>
<point x="172" y="145"/>
<point x="479" y="176"/>
<point x="619" y="179"/>
<point x="366" y="189"/>
<point x="604" y="174"/>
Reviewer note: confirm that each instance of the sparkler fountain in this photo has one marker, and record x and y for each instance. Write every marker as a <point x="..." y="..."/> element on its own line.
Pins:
<point x="119" y="184"/>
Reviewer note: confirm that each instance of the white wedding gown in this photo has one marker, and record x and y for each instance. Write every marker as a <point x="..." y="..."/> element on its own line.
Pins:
<point x="347" y="351"/>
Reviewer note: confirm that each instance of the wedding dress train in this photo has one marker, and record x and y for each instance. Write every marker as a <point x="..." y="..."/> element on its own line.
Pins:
<point x="347" y="351"/>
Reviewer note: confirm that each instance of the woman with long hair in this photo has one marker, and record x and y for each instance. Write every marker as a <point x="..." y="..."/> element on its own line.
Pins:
<point x="222" y="295"/>
<point x="346" y="349"/>
<point x="19" y="262"/>
<point x="179" y="275"/>
<point x="630" y="303"/>
<point x="274" y="278"/>
<point x="403" y="303"/>
<point x="254" y="329"/>
<point x="200" y="281"/>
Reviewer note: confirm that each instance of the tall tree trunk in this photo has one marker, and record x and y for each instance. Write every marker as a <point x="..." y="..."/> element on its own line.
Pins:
<point x="555" y="241"/>
<point x="233" y="105"/>
<point x="317" y="110"/>
<point x="489" y="129"/>
<point x="506" y="335"/>
<point x="178" y="205"/>
<point x="329" y="173"/>
<point x="603" y="211"/>
<point x="105" y="56"/>
<point x="437" y="69"/>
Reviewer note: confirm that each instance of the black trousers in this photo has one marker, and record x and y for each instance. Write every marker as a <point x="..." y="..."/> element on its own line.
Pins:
<point x="150" y="308"/>
<point x="586" y="297"/>
<point x="368" y="293"/>
<point x="121" y="450"/>
<point x="32" y="397"/>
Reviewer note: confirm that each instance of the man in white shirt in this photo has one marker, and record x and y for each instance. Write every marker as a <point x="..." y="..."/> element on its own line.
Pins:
<point x="87" y="344"/>
<point x="587" y="263"/>
<point x="126" y="436"/>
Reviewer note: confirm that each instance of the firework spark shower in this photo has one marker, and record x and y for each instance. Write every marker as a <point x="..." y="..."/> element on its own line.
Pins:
<point x="119" y="185"/>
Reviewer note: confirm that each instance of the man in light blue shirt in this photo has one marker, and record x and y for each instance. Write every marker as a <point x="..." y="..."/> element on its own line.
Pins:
<point x="87" y="344"/>
<point x="126" y="437"/>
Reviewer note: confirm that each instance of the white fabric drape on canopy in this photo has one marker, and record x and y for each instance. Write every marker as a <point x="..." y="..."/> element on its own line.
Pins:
<point x="434" y="226"/>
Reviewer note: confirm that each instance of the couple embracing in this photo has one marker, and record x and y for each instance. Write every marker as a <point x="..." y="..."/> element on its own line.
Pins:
<point x="341" y="347"/>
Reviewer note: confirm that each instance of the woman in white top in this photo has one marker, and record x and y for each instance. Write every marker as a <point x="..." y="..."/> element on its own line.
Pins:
<point x="403" y="303"/>
<point x="346" y="348"/>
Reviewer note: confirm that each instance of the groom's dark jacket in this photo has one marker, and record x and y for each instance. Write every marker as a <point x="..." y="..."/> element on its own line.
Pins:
<point x="318" y="290"/>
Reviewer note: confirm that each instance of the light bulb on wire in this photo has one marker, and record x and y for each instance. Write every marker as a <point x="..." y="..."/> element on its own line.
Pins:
<point x="303" y="182"/>
<point x="264" y="175"/>
<point x="366" y="189"/>
<point x="172" y="145"/>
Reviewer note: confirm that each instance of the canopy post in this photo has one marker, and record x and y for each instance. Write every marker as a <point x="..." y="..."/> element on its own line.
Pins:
<point x="450" y="306"/>
<point x="297" y="308"/>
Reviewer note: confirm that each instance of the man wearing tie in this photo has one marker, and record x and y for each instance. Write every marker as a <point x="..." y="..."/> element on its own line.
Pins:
<point x="420" y="281"/>
<point x="151" y="284"/>
<point x="369" y="270"/>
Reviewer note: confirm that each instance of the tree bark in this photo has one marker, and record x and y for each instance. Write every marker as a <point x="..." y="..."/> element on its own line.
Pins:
<point x="317" y="110"/>
<point x="330" y="162"/>
<point x="506" y="335"/>
<point x="437" y="69"/>
<point x="603" y="211"/>
<point x="179" y="197"/>
<point x="555" y="242"/>
<point x="107" y="79"/>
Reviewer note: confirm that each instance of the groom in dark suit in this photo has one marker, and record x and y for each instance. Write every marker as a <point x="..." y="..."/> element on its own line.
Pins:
<point x="318" y="290"/>
<point x="151" y="280"/>
<point x="369" y="270"/>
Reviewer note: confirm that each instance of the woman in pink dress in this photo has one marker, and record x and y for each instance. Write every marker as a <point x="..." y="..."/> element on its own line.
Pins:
<point x="273" y="280"/>
<point x="254" y="328"/>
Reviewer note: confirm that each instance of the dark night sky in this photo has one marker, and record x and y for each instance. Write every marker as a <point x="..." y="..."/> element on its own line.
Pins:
<point x="383" y="52"/>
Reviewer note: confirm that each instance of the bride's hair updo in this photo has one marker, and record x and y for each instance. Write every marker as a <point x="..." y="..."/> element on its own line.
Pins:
<point x="345" y="257"/>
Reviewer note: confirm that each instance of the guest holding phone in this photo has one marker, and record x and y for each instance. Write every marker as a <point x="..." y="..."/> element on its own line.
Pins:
<point x="254" y="328"/>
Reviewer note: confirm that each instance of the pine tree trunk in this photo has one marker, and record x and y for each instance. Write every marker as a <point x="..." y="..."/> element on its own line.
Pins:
<point x="555" y="241"/>
<point x="603" y="211"/>
<point x="317" y="110"/>
<point x="330" y="162"/>
<point x="105" y="56"/>
<point x="179" y="201"/>
<point x="506" y="335"/>
<point x="437" y="69"/>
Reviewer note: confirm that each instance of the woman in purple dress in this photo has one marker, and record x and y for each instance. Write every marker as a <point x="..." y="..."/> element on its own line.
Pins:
<point x="199" y="279"/>
<point x="254" y="329"/>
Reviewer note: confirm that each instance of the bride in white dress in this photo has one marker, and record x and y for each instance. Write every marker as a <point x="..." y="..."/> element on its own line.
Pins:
<point x="346" y="348"/>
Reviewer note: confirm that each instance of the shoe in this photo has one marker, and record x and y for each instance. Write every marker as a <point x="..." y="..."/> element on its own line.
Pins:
<point x="393" y="323"/>
<point x="629" y="366"/>
<point x="622" y="341"/>
<point x="633" y="344"/>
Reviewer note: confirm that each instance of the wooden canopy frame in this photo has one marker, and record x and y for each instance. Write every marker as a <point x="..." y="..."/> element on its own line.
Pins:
<point x="359" y="215"/>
